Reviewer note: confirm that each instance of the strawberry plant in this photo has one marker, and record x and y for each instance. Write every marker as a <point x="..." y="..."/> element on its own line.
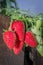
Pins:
<point x="28" y="30"/>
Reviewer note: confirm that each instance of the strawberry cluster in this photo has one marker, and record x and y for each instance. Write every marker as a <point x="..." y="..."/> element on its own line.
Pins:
<point x="16" y="36"/>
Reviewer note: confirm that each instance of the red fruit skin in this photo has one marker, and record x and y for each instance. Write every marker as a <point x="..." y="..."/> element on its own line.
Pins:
<point x="30" y="40"/>
<point x="19" y="27"/>
<point x="18" y="47"/>
<point x="9" y="39"/>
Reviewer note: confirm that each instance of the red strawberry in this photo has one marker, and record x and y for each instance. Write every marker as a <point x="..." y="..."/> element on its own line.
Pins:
<point x="30" y="40"/>
<point x="19" y="27"/>
<point x="9" y="39"/>
<point x="18" y="47"/>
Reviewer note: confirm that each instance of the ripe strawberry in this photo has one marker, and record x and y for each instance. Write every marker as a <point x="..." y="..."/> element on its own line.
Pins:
<point x="30" y="40"/>
<point x="19" y="27"/>
<point x="9" y="38"/>
<point x="18" y="47"/>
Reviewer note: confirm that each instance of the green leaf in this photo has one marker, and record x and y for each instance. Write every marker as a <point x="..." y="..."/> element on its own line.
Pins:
<point x="35" y="30"/>
<point x="40" y="50"/>
<point x="39" y="39"/>
<point x="38" y="24"/>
